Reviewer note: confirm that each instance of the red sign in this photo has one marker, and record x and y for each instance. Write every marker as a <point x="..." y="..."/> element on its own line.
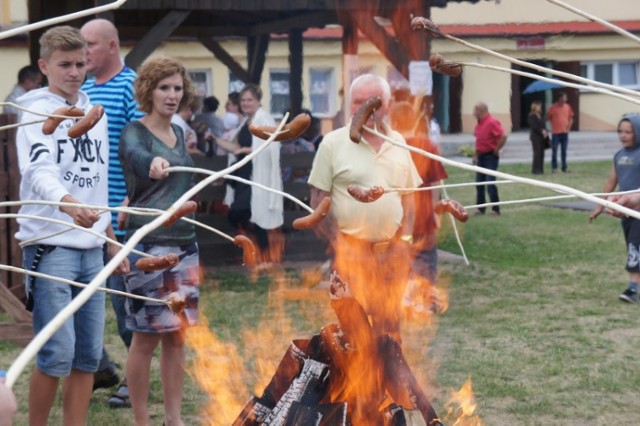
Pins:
<point x="530" y="43"/>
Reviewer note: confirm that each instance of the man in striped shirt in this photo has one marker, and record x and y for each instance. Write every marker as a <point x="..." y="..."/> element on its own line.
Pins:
<point x="111" y="84"/>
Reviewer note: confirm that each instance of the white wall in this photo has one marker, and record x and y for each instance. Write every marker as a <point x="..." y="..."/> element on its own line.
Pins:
<point x="538" y="11"/>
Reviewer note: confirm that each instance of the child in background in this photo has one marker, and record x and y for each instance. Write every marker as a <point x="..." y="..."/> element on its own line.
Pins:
<point x="625" y="173"/>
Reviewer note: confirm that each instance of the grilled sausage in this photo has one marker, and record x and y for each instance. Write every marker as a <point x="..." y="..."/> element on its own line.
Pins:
<point x="158" y="263"/>
<point x="87" y="122"/>
<point x="51" y="123"/>
<point x="365" y="195"/>
<point x="248" y="249"/>
<point x="314" y="218"/>
<point x="185" y="209"/>
<point x="439" y="65"/>
<point x="290" y="131"/>
<point x="362" y="116"/>
<point x="454" y="207"/>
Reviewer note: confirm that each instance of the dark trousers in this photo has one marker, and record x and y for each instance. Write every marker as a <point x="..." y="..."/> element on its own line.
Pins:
<point x="537" y="167"/>
<point x="561" y="140"/>
<point x="488" y="161"/>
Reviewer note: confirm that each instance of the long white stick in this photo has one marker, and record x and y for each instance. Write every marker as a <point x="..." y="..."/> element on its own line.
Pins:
<point x="59" y="19"/>
<point x="242" y="180"/>
<point x="443" y="186"/>
<point x="596" y="19"/>
<point x="70" y="225"/>
<point x="456" y="233"/>
<point x="82" y="285"/>
<point x="458" y="185"/>
<point x="552" y="186"/>
<point x="26" y="123"/>
<point x="66" y="117"/>
<point x="128" y="210"/>
<point x="45" y="334"/>
<point x="553" y="197"/>
<point x="525" y="64"/>
<point x="555" y="81"/>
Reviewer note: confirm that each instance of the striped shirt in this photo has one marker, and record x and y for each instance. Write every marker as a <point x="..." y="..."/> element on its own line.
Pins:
<point x="117" y="98"/>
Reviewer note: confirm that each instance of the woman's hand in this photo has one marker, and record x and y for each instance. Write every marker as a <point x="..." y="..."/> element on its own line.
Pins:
<point x="123" y="267"/>
<point x="156" y="171"/>
<point x="243" y="150"/>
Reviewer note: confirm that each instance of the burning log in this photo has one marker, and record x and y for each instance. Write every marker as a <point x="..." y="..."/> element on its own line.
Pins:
<point x="340" y="377"/>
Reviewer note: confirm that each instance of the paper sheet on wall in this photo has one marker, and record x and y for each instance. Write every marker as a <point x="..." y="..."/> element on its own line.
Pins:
<point x="420" y="78"/>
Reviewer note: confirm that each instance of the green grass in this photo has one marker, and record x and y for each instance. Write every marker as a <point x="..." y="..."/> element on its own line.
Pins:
<point x="534" y="321"/>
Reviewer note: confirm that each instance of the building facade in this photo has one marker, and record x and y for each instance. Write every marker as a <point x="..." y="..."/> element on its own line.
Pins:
<point x="538" y="31"/>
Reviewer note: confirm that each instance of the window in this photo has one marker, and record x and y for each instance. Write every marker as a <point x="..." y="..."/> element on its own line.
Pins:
<point x="625" y="74"/>
<point x="603" y="73"/>
<point x="321" y="88"/>
<point x="628" y="74"/>
<point x="201" y="80"/>
<point x="279" y="87"/>
<point x="235" y="83"/>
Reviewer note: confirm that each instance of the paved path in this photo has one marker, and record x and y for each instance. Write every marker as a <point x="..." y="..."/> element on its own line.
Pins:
<point x="583" y="146"/>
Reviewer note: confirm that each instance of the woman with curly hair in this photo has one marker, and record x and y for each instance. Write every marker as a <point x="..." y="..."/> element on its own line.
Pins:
<point x="147" y="147"/>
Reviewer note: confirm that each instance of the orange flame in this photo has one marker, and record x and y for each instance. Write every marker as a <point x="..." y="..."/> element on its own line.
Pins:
<point x="214" y="361"/>
<point x="462" y="404"/>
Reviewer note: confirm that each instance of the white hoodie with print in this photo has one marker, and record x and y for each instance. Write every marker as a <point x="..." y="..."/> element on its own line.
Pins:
<point x="55" y="165"/>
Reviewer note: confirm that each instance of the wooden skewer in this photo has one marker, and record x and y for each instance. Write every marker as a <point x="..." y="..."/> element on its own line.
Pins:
<point x="596" y="19"/>
<point x="36" y="112"/>
<point x="59" y="19"/>
<point x="525" y="64"/>
<point x="444" y="186"/>
<point x="77" y="284"/>
<point x="128" y="210"/>
<point x="548" y="185"/>
<point x="71" y="225"/>
<point x="454" y="224"/>
<point x="45" y="334"/>
<point x="550" y="198"/>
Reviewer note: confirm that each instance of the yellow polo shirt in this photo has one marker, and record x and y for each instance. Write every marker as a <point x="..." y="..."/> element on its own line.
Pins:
<point x="340" y="163"/>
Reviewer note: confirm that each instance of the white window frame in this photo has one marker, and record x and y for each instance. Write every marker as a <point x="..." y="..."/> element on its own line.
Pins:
<point x="331" y="95"/>
<point x="238" y="87"/>
<point x="277" y="114"/>
<point x="615" y="67"/>
<point x="208" y="81"/>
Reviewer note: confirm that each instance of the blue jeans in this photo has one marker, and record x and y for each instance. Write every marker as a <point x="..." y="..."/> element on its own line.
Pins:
<point x="561" y="139"/>
<point x="78" y="343"/>
<point x="488" y="161"/>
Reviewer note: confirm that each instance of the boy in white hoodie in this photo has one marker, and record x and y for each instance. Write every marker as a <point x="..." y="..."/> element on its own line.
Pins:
<point x="58" y="168"/>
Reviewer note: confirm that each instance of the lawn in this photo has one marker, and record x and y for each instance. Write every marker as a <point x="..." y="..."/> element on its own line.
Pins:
<point x="534" y="321"/>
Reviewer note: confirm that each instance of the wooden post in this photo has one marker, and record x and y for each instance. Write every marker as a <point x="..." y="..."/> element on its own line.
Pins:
<point x="11" y="284"/>
<point x="295" y="73"/>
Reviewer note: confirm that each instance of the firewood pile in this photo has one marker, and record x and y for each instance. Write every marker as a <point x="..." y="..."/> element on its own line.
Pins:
<point x="346" y="375"/>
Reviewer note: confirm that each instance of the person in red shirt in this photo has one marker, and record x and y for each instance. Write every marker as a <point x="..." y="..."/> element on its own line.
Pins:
<point x="490" y="138"/>
<point x="560" y="115"/>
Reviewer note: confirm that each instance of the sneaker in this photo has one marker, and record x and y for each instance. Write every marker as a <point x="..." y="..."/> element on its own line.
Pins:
<point x="629" y="296"/>
<point x="478" y="213"/>
<point x="120" y="399"/>
<point x="494" y="213"/>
